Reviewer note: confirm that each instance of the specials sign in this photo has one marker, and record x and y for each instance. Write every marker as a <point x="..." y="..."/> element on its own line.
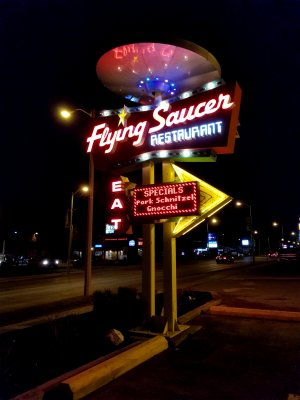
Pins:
<point x="205" y="121"/>
<point x="151" y="202"/>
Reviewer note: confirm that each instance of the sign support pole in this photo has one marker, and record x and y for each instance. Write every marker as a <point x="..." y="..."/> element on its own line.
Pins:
<point x="148" y="273"/>
<point x="170" y="279"/>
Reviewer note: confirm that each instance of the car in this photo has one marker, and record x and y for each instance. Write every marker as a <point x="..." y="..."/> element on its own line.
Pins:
<point x="7" y="261"/>
<point x="225" y="258"/>
<point x="44" y="262"/>
<point x="22" y="261"/>
<point x="288" y="254"/>
<point x="2" y="258"/>
<point x="78" y="262"/>
<point x="273" y="254"/>
<point x="48" y="262"/>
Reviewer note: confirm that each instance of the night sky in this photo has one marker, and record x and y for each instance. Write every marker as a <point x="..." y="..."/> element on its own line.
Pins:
<point x="49" y="50"/>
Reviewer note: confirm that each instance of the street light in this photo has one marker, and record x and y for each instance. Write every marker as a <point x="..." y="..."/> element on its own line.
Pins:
<point x="88" y="264"/>
<point x="256" y="233"/>
<point x="277" y="224"/>
<point x="66" y="114"/>
<point x="240" y="204"/>
<point x="212" y="221"/>
<point x="84" y="189"/>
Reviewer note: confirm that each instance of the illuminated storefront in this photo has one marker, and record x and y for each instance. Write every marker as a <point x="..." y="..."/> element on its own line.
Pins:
<point x="122" y="249"/>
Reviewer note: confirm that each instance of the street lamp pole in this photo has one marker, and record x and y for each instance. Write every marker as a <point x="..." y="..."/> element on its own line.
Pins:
<point x="256" y="235"/>
<point x="251" y="234"/>
<point x="70" y="233"/>
<point x="89" y="241"/>
<point x="212" y="221"/>
<point x="281" y="225"/>
<point x="238" y="203"/>
<point x="83" y="189"/>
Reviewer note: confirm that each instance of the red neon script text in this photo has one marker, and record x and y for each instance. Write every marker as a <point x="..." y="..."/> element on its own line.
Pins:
<point x="109" y="139"/>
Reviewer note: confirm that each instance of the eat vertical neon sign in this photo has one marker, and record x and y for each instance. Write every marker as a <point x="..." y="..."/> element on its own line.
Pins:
<point x="117" y="204"/>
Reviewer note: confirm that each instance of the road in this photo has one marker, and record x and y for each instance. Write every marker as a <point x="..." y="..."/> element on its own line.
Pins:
<point x="241" y="280"/>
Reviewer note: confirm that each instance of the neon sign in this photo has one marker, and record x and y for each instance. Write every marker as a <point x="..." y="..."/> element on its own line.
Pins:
<point x="205" y="121"/>
<point x="185" y="135"/>
<point x="109" y="138"/>
<point x="166" y="200"/>
<point x="118" y="219"/>
<point x="118" y="208"/>
<point x="149" y="48"/>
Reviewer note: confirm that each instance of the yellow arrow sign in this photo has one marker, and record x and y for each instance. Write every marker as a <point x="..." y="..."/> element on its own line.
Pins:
<point x="211" y="201"/>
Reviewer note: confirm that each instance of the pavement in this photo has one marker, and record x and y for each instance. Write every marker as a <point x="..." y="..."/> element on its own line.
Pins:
<point x="226" y="359"/>
<point x="220" y="352"/>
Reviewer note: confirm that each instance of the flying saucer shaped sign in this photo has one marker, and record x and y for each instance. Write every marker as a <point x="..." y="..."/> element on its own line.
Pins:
<point x="145" y="72"/>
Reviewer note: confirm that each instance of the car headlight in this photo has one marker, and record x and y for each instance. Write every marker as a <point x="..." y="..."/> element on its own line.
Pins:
<point x="45" y="262"/>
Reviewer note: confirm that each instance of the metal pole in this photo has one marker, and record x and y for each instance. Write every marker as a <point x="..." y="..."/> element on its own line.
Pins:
<point x="170" y="277"/>
<point x="88" y="263"/>
<point x="70" y="233"/>
<point x="207" y="235"/>
<point x="148" y="268"/>
<point x="251" y="236"/>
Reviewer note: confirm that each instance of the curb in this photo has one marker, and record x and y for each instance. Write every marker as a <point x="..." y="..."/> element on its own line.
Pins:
<point x="255" y="313"/>
<point x="198" y="310"/>
<point x="91" y="379"/>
